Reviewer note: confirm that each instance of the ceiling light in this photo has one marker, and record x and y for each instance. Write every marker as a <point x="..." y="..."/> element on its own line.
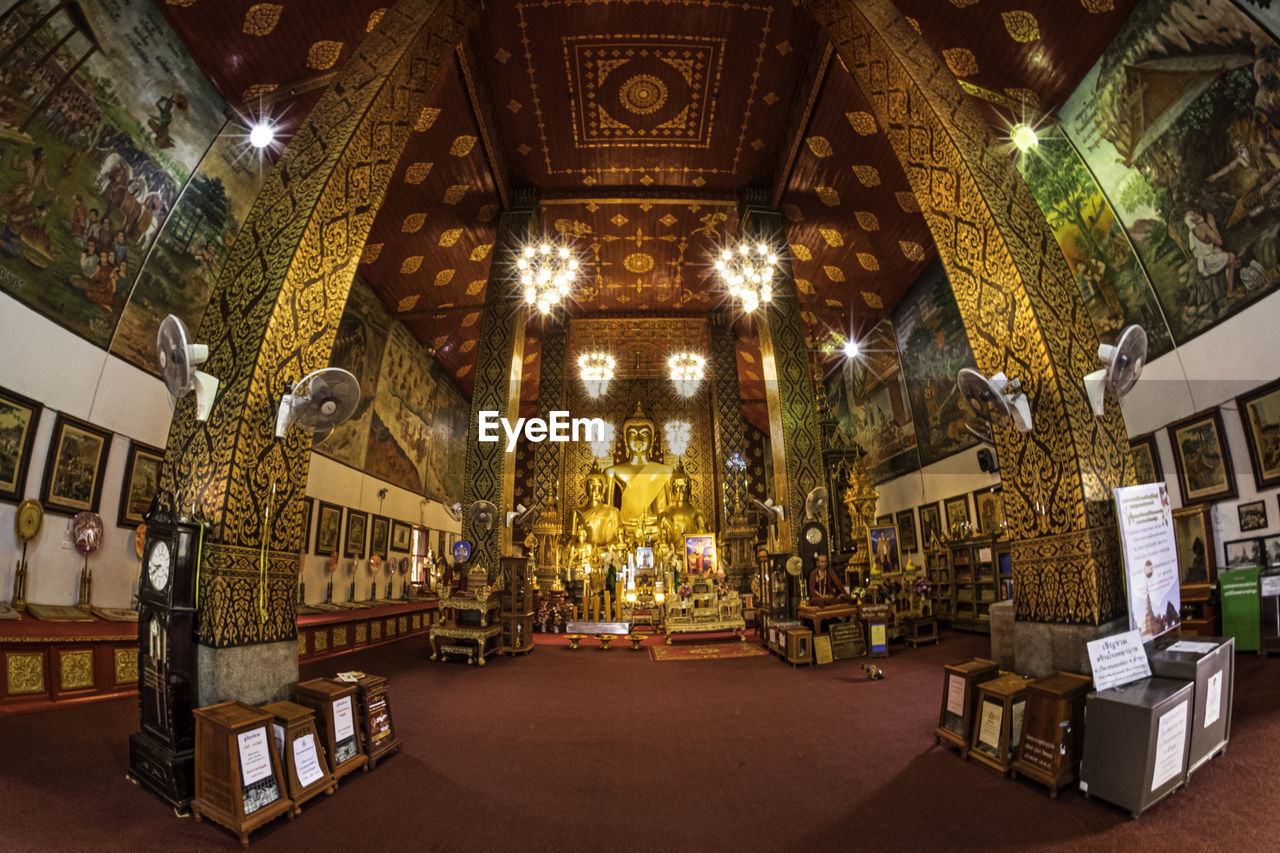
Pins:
<point x="850" y="348"/>
<point x="596" y="369"/>
<point x="546" y="274"/>
<point x="1024" y="137"/>
<point x="686" y="372"/>
<point x="748" y="273"/>
<point x="262" y="134"/>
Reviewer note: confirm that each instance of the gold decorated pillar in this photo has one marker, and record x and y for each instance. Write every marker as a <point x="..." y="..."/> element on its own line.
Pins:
<point x="794" y="439"/>
<point x="272" y="318"/>
<point x="548" y="457"/>
<point x="490" y="469"/>
<point x="1023" y="315"/>
<point x="735" y="527"/>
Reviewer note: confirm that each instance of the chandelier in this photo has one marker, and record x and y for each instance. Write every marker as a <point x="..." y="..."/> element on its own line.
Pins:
<point x="596" y="369"/>
<point x="603" y="449"/>
<point x="677" y="434"/>
<point x="747" y="272"/>
<point x="546" y="274"/>
<point x="686" y="372"/>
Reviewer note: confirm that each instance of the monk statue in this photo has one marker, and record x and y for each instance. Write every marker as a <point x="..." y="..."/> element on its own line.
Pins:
<point x="643" y="482"/>
<point x="825" y="588"/>
<point x="599" y="519"/>
<point x="680" y="516"/>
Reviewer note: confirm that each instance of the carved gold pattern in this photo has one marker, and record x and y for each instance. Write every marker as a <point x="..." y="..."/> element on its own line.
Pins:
<point x="417" y="172"/>
<point x="413" y="223"/>
<point x="868" y="261"/>
<point x="323" y="55"/>
<point x="834" y="273"/>
<point x="804" y="286"/>
<point x="476" y="287"/>
<point x="479" y="253"/>
<point x="961" y="61"/>
<point x="417" y="621"/>
<point x="454" y="194"/>
<point x="375" y="629"/>
<point x="867" y="220"/>
<point x="404" y="624"/>
<point x="868" y="176"/>
<point x="261" y="18"/>
<point x="1022" y="25"/>
<point x="828" y="196"/>
<point x="819" y="145"/>
<point x="911" y="251"/>
<point x="426" y="118"/>
<point x="257" y="90"/>
<point x="302" y="644"/>
<point x="25" y="672"/>
<point x="801" y="251"/>
<point x="638" y="262"/>
<point x="862" y="122"/>
<point x="908" y="202"/>
<point x="374" y="18"/>
<point x="443" y="277"/>
<point x="410" y="264"/>
<point x="362" y="633"/>
<point x="339" y="635"/>
<point x="75" y="669"/>
<point x="872" y="299"/>
<point x="462" y="146"/>
<point x="391" y="628"/>
<point x="450" y="236"/>
<point x="832" y="236"/>
<point x="230" y="586"/>
<point x="372" y="251"/>
<point x="320" y="640"/>
<point x="126" y="661"/>
<point x="1097" y="6"/>
<point x="408" y="302"/>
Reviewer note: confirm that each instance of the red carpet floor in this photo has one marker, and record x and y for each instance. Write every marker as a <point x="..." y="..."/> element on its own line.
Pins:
<point x="588" y="750"/>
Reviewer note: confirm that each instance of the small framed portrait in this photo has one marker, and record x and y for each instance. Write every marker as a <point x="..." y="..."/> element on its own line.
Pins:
<point x="906" y="521"/>
<point x="644" y="559"/>
<point x="380" y="536"/>
<point x="883" y="520"/>
<point x="328" y="529"/>
<point x="1253" y="516"/>
<point x="401" y="537"/>
<point x="1243" y="554"/>
<point x="1260" y="417"/>
<point x="885" y="554"/>
<point x="19" y="418"/>
<point x="1193" y="537"/>
<point x="1201" y="457"/>
<point x="74" y="467"/>
<point x="931" y="524"/>
<point x="141" y="482"/>
<point x="988" y="507"/>
<point x="700" y="557"/>
<point x="357" y="533"/>
<point x="1145" y="457"/>
<point x="959" y="525"/>
<point x="1271" y="551"/>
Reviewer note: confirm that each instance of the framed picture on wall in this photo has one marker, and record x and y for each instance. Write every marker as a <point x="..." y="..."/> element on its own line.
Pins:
<point x="19" y="418"/>
<point x="988" y="508"/>
<point x="958" y="521"/>
<point x="1253" y="516"/>
<point x="1202" y="459"/>
<point x="1145" y="457"/>
<point x="380" y="536"/>
<point x="141" y="482"/>
<point x="886" y="556"/>
<point x="328" y="529"/>
<point x="1271" y="551"/>
<point x="1260" y="417"/>
<point x="440" y="543"/>
<point x="931" y="524"/>
<point x="906" y="520"/>
<point x="357" y="533"/>
<point x="401" y="537"/>
<point x="1193" y="537"/>
<point x="1243" y="554"/>
<point x="74" y="466"/>
<point x="700" y="557"/>
<point x="884" y="520"/>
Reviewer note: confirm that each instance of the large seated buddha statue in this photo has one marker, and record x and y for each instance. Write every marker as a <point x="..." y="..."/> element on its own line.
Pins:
<point x="643" y="482"/>
<point x="599" y="519"/>
<point x="680" y="516"/>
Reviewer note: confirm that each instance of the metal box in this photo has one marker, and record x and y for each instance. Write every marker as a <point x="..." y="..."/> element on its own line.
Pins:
<point x="1213" y="673"/>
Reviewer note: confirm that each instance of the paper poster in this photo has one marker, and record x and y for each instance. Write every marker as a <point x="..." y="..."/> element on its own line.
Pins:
<point x="1016" y="728"/>
<point x="989" y="730"/>
<point x="1118" y="660"/>
<point x="1213" y="699"/>
<point x="955" y="695"/>
<point x="255" y="755"/>
<point x="1150" y="558"/>
<point x="1270" y="585"/>
<point x="306" y="760"/>
<point x="343" y="721"/>
<point x="279" y="739"/>
<point x="1171" y="740"/>
<point x="1192" y="647"/>
<point x="878" y="637"/>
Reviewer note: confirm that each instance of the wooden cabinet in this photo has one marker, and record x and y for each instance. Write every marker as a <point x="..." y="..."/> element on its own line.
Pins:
<point x="982" y="573"/>
<point x="517" y="606"/>
<point x="376" y="726"/>
<point x="799" y="646"/>
<point x="997" y="726"/>
<point x="1053" y="730"/>
<point x="938" y="570"/>
<point x="302" y="761"/>
<point x="335" y="707"/>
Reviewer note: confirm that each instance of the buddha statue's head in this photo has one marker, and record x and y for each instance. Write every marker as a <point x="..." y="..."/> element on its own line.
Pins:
<point x="595" y="485"/>
<point x="680" y="483"/>
<point x="637" y="434"/>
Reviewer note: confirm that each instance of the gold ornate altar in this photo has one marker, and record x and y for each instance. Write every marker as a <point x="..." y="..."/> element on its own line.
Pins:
<point x="706" y="608"/>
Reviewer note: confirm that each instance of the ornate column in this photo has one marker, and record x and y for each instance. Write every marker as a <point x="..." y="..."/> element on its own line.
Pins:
<point x="794" y="439"/>
<point x="548" y="457"/>
<point x="490" y="470"/>
<point x="272" y="318"/>
<point x="736" y="530"/>
<point x="1023" y="315"/>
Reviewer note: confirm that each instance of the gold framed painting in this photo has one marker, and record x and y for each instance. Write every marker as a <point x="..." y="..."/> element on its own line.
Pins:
<point x="141" y="482"/>
<point x="380" y="536"/>
<point x="931" y="524"/>
<point x="19" y="418"/>
<point x="357" y="533"/>
<point x="1260" y="417"/>
<point x="74" y="466"/>
<point x="1202" y="458"/>
<point x="906" y="521"/>
<point x="988" y="506"/>
<point x="700" y="557"/>
<point x="959" y="524"/>
<point x="1193" y="539"/>
<point x="1145" y="456"/>
<point x="886" y="557"/>
<point x="328" y="529"/>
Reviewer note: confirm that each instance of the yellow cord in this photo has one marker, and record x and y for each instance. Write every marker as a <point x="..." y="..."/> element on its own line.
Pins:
<point x="262" y="559"/>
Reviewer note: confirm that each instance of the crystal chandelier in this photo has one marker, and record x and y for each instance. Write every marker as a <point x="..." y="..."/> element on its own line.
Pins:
<point x="686" y="372"/>
<point x="603" y="449"/>
<point x="596" y="369"/>
<point x="747" y="273"/>
<point x="546" y="274"/>
<point x="677" y="434"/>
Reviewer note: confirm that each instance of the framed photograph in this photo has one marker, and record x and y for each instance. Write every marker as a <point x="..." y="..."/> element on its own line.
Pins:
<point x="74" y="467"/>
<point x="1145" y="457"/>
<point x="1243" y="554"/>
<point x="1271" y="551"/>
<point x="885" y="554"/>
<point x="1253" y="516"/>
<point x="931" y="524"/>
<point x="141" y="482"/>
<point x="1260" y="417"/>
<point x="988" y="507"/>
<point x="380" y="536"/>
<point x="357" y="533"/>
<point x="328" y="529"/>
<point x="440" y="543"/>
<point x="959" y="523"/>
<point x="882" y="520"/>
<point x="401" y="537"/>
<point x="19" y="418"/>
<point x="700" y="557"/>
<point x="906" y="520"/>
<point x="1201" y="456"/>
<point x="1193" y="536"/>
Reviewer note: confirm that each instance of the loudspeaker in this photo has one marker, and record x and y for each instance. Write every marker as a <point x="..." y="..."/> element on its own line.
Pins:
<point x="987" y="461"/>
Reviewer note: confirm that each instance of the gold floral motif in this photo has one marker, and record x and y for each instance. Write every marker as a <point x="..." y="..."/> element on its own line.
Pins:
<point x="907" y="201"/>
<point x="828" y="196"/>
<point x="404" y="624"/>
<point x="462" y="371"/>
<point x="1022" y="25"/>
<point x="867" y="220"/>
<point x="443" y="277"/>
<point x="76" y="669"/>
<point x="961" y="61"/>
<point x="476" y="286"/>
<point x="868" y="176"/>
<point x="450" y="236"/>
<point x="126" y="666"/>
<point x="862" y="122"/>
<point x="417" y="621"/>
<point x="426" y="118"/>
<point x="873" y="300"/>
<point x="362" y="633"/>
<point x="1097" y="6"/>
<point x="251" y="95"/>
<point x="372" y="251"/>
<point x="454" y="194"/>
<point x="320" y="640"/>
<point x="417" y="172"/>
<point x="323" y="55"/>
<point x="26" y="672"/>
<point x="302" y="644"/>
<point x="801" y="252"/>
<point x="834" y="303"/>
<point x="643" y="94"/>
<point x="638" y="262"/>
<point x="911" y="251"/>
<point x="1024" y="97"/>
<point x="470" y="320"/>
<point x="410" y="264"/>
<point x="832" y="236"/>
<point x="834" y="273"/>
<point x="819" y="146"/>
<point x="339" y="635"/>
<point x="479" y="253"/>
<point x="462" y="146"/>
<point x="374" y="17"/>
<point x="261" y="18"/>
<point x="963" y="4"/>
<point x="467" y="346"/>
<point x="375" y="630"/>
<point x="407" y="303"/>
<point x="181" y="3"/>
<point x="792" y="213"/>
<point x="868" y="261"/>
<point x="515" y="106"/>
<point x="804" y="286"/>
<point x="412" y="223"/>
<point x="391" y="627"/>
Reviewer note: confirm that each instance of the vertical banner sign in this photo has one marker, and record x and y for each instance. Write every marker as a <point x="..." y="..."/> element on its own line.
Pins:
<point x="1150" y="559"/>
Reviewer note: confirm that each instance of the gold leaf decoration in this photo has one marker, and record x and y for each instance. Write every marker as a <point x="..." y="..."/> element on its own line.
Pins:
<point x="863" y="122"/>
<point x="417" y="172"/>
<point x="261" y="18"/>
<point x="1027" y="97"/>
<point x="439" y="341"/>
<point x="408" y="302"/>
<point x="828" y="196"/>
<point x="462" y="146"/>
<point x="502" y="55"/>
<point x="961" y="61"/>
<point x="868" y="261"/>
<point x="486" y="213"/>
<point x="479" y="253"/>
<point x="443" y="277"/>
<point x="258" y="90"/>
<point x="911" y="251"/>
<point x="1022" y="25"/>
<point x="747" y="357"/>
<point x="867" y="220"/>
<point x="873" y="300"/>
<point x="467" y="346"/>
<point x="1097" y="6"/>
<point x="410" y="264"/>
<point x="834" y="273"/>
<point x="804" y="286"/>
<point x="531" y="356"/>
<point x="819" y="146"/>
<point x="801" y="252"/>
<point x="809" y="317"/>
<point x="638" y="263"/>
<point x="832" y="236"/>
<point x="374" y="17"/>
<point x="515" y="106"/>
<point x="370" y="253"/>
<point x="834" y="303"/>
<point x="908" y="201"/>
<point x="449" y="237"/>
<point x="792" y="213"/>
<point x="323" y="55"/>
<point x="412" y="223"/>
<point x="476" y="287"/>
<point x="426" y="118"/>
<point x="963" y="4"/>
<point x="461" y="372"/>
<point x="470" y="320"/>
<point x="868" y="176"/>
<point x="454" y="194"/>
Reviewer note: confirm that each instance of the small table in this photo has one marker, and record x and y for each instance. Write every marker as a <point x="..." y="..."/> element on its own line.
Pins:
<point x="817" y="615"/>
<point x="602" y="631"/>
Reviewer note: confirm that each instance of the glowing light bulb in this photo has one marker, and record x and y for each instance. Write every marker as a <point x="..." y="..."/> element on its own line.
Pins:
<point x="261" y="135"/>
<point x="528" y="251"/>
<point x="564" y="253"/>
<point x="850" y="348"/>
<point x="1024" y="137"/>
<point x="545" y="248"/>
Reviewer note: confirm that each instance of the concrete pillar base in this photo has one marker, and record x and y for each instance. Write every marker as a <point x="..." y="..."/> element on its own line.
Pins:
<point x="255" y="674"/>
<point x="1002" y="634"/>
<point x="1043" y="648"/>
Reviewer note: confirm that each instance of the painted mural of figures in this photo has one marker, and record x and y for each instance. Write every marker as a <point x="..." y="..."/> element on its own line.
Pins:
<point x="33" y="178"/>
<point x="1255" y="168"/>
<point x="160" y="122"/>
<point x="1206" y="248"/>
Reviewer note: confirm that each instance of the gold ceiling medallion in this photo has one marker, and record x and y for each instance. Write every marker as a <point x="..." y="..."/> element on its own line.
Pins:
<point x="323" y="55"/>
<point x="868" y="176"/>
<point x="643" y="94"/>
<point x="862" y="122"/>
<point x="638" y="262"/>
<point x="912" y="251"/>
<point x="261" y="18"/>
<point x="1022" y="25"/>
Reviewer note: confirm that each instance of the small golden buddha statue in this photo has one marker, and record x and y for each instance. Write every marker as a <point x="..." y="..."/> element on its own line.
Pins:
<point x="680" y="516"/>
<point x="599" y="519"/>
<point x="581" y="555"/>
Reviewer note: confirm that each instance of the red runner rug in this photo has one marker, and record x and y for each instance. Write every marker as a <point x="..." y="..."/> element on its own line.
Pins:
<point x="719" y="651"/>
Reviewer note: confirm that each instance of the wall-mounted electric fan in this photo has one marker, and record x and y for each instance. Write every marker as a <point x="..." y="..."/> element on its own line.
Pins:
<point x="483" y="514"/>
<point x="1124" y="363"/>
<point x="177" y="358"/>
<point x="997" y="400"/>
<point x="319" y="401"/>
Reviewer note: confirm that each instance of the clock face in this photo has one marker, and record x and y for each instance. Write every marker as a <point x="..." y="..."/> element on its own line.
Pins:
<point x="813" y="535"/>
<point x="159" y="561"/>
<point x="28" y="519"/>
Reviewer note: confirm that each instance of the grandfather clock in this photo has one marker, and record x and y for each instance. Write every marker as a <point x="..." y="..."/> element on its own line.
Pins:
<point x="161" y="754"/>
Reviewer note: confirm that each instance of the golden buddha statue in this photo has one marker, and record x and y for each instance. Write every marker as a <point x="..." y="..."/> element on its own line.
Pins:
<point x="680" y="516"/>
<point x="581" y="555"/>
<point x="643" y="482"/>
<point x="599" y="519"/>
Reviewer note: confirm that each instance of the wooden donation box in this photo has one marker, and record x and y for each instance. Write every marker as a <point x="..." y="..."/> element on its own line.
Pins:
<point x="959" y="696"/>
<point x="1209" y="662"/>
<point x="998" y="725"/>
<point x="1136" y="739"/>
<point x="335" y="707"/>
<point x="1053" y="730"/>
<point x="238" y="778"/>
<point x="302" y="761"/>
<point x="799" y="646"/>
<point x="380" y="738"/>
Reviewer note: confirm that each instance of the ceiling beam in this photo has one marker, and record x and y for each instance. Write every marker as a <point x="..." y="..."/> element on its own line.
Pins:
<point x="481" y="98"/>
<point x="630" y="195"/>
<point x="806" y="95"/>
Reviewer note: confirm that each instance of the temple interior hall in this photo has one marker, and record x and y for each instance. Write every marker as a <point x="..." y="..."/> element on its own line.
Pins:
<point x="390" y="388"/>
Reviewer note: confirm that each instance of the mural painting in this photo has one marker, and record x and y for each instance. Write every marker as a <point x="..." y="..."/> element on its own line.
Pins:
<point x="1179" y="120"/>
<point x="103" y="115"/>
<point x="400" y="423"/>
<point x="444" y="474"/>
<point x="358" y="347"/>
